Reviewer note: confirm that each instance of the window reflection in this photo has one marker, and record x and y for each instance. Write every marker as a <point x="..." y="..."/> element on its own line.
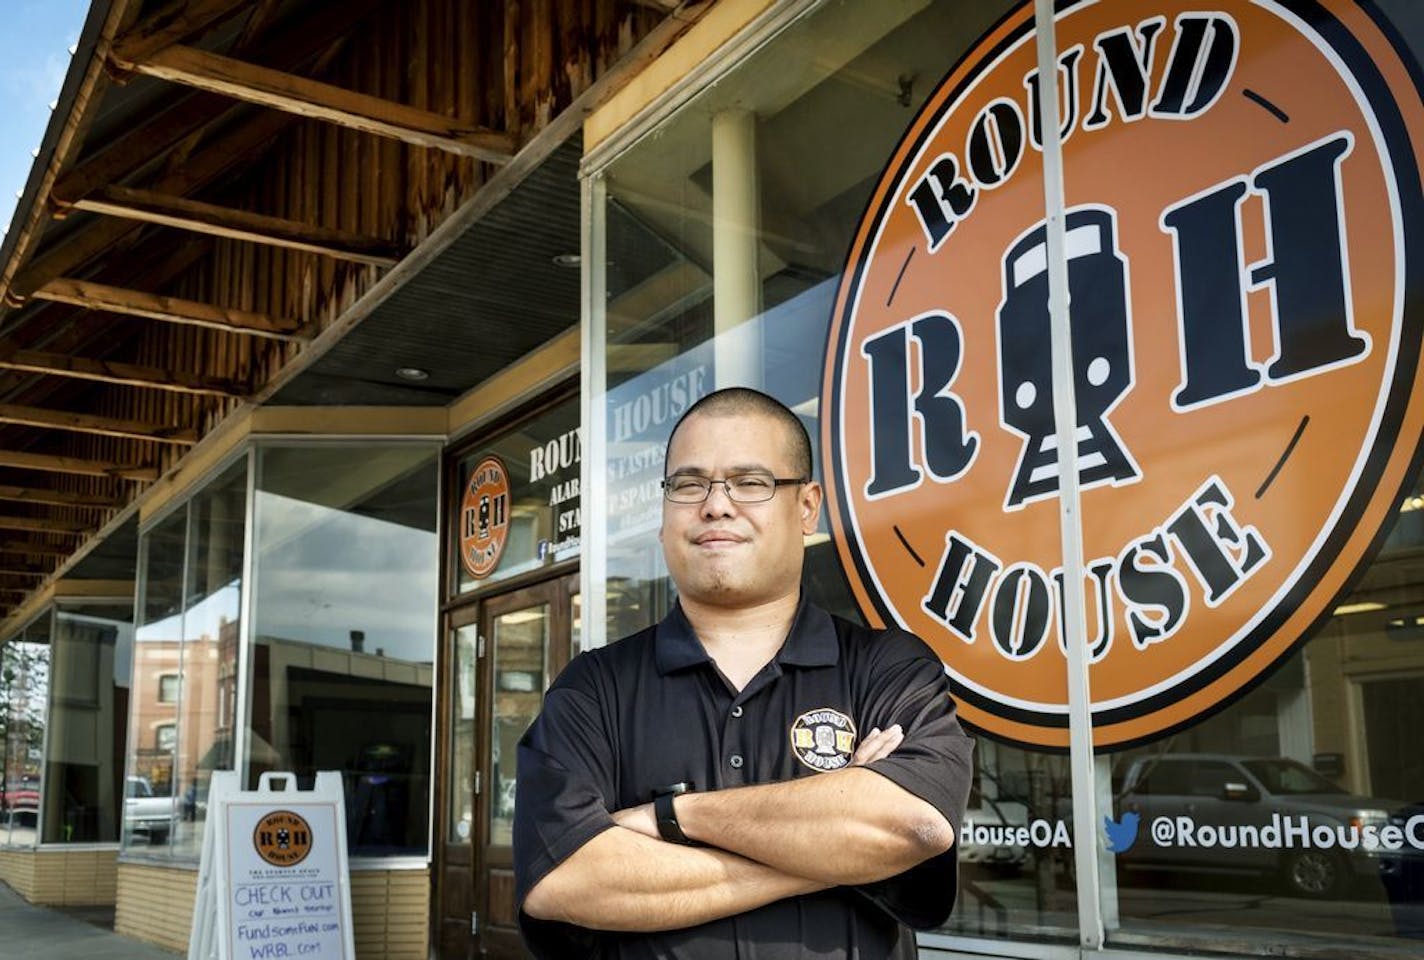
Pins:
<point x="1280" y="803"/>
<point x="189" y="615"/>
<point x="157" y="653"/>
<point x="464" y="687"/>
<point x="212" y="612"/>
<point x="346" y="579"/>
<point x="24" y="685"/>
<point x="93" y="643"/>
<point x="521" y="643"/>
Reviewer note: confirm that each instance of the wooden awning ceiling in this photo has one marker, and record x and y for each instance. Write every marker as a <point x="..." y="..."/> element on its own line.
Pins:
<point x="221" y="182"/>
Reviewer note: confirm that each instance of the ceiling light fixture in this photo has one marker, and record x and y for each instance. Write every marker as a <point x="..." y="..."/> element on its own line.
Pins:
<point x="569" y="260"/>
<point x="412" y="373"/>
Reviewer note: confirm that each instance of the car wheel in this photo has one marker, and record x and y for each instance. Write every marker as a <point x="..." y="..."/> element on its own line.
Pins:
<point x="1313" y="873"/>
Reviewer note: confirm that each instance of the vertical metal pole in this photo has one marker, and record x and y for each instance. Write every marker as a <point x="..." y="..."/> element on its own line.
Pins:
<point x="1085" y="832"/>
<point x="246" y="662"/>
<point x="593" y="472"/>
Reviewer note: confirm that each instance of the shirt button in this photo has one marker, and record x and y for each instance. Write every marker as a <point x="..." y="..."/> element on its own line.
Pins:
<point x="736" y="711"/>
<point x="736" y="761"/>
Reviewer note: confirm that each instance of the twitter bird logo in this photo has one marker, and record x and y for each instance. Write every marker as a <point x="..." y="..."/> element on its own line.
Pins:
<point x="1121" y="836"/>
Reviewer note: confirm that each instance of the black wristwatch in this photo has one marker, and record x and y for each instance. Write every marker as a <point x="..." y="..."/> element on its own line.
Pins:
<point x="668" y="827"/>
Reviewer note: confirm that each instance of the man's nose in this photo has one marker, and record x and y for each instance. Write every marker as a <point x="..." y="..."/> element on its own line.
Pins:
<point x="718" y="502"/>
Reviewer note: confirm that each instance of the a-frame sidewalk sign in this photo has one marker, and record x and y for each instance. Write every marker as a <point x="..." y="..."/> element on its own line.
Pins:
<point x="274" y="881"/>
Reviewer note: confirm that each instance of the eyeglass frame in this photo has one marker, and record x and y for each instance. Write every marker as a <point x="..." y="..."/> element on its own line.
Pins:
<point x="726" y="482"/>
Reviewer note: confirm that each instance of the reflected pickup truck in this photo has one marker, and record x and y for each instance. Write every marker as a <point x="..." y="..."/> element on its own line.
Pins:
<point x="145" y="814"/>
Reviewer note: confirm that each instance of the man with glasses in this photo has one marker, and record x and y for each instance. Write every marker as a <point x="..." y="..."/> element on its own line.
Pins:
<point x="751" y="776"/>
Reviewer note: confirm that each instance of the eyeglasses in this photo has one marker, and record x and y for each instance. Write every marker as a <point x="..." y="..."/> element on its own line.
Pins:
<point x="740" y="487"/>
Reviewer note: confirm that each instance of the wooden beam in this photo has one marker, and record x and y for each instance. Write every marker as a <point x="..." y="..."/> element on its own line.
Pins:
<point x="318" y="32"/>
<point x="124" y="374"/>
<point x="185" y="214"/>
<point x="104" y="236"/>
<point x="177" y="21"/>
<point x="154" y="306"/>
<point x="29" y="548"/>
<point x="62" y="498"/>
<point x="17" y="570"/>
<point x="312" y="98"/>
<point x="94" y="424"/>
<point x="51" y="463"/>
<point x="69" y="528"/>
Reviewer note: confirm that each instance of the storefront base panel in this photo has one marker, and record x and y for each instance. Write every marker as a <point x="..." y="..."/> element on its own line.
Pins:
<point x="61" y="878"/>
<point x="155" y="904"/>
<point x="390" y="909"/>
<point x="390" y="913"/>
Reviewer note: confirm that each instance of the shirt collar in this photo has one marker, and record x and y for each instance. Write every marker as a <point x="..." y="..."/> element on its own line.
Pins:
<point x="811" y="641"/>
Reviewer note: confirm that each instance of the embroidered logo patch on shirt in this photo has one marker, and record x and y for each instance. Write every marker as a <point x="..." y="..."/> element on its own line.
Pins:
<point x="823" y="739"/>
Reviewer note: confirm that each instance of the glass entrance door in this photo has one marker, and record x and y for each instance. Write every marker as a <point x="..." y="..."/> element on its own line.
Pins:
<point x="528" y="636"/>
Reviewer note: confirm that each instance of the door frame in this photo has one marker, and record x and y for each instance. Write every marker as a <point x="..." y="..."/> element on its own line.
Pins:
<point x="490" y="867"/>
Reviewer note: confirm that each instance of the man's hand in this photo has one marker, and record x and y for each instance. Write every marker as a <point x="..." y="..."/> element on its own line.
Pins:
<point x="639" y="819"/>
<point x="877" y="745"/>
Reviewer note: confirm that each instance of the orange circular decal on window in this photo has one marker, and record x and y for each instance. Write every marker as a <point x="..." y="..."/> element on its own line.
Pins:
<point x="282" y="838"/>
<point x="1243" y="243"/>
<point x="484" y="517"/>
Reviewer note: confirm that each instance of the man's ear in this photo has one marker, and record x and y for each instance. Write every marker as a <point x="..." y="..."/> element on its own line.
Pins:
<point x="811" y="495"/>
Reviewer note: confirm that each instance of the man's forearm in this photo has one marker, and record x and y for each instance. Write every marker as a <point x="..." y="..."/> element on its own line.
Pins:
<point x="622" y="880"/>
<point x="851" y="826"/>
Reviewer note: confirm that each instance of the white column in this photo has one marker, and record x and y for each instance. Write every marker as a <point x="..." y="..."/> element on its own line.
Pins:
<point x="736" y="230"/>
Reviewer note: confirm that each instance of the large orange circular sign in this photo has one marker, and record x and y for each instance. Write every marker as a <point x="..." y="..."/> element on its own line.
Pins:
<point x="1243" y="246"/>
<point x="484" y="517"/>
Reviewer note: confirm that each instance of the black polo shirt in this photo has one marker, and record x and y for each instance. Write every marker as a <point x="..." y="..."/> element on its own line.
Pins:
<point x="653" y="710"/>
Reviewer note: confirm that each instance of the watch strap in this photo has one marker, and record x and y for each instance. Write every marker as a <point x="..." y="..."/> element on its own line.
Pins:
<point x="668" y="827"/>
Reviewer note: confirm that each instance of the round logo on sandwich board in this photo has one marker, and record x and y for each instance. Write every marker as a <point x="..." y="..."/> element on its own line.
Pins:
<point x="1243" y="243"/>
<point x="484" y="517"/>
<point x="282" y="838"/>
<point x="823" y="739"/>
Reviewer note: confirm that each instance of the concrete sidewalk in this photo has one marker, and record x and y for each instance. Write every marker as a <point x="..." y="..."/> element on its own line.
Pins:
<point x="28" y="932"/>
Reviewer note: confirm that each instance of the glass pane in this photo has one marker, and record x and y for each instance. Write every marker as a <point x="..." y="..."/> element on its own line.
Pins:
<point x="811" y="126"/>
<point x="93" y="644"/>
<point x="520" y="640"/>
<point x="1259" y="676"/>
<point x="345" y="629"/>
<point x="575" y="624"/>
<point x="211" y="620"/>
<point x="539" y="463"/>
<point x="1297" y="813"/>
<point x="158" y="640"/>
<point x="465" y="664"/>
<point x="24" y="684"/>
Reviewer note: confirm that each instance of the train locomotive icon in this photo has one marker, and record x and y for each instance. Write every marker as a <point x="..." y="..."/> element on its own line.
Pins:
<point x="1102" y="355"/>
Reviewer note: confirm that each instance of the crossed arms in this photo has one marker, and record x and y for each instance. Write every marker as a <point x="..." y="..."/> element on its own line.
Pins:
<point x="757" y="849"/>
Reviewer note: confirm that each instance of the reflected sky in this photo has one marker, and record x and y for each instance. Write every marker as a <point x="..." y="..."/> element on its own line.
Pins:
<point x="323" y="572"/>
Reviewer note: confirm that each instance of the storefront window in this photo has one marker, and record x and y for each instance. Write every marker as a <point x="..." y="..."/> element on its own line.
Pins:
<point x="24" y="689"/>
<point x="1279" y="804"/>
<point x="345" y="627"/>
<point x="761" y="174"/>
<point x="89" y="696"/>
<point x="518" y="500"/>
<point x="190" y="611"/>
<point x="852" y="219"/>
